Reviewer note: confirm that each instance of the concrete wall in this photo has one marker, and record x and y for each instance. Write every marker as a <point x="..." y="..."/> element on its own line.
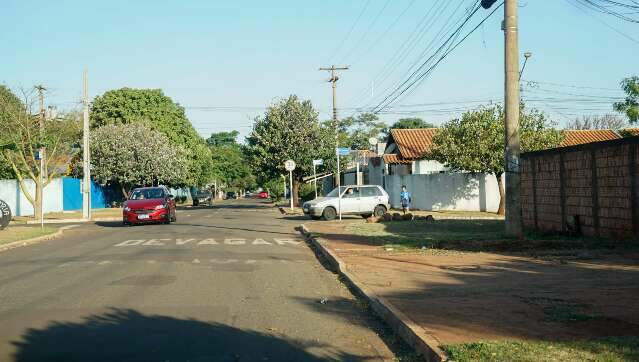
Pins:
<point x="591" y="189"/>
<point x="11" y="193"/>
<point x="446" y="191"/>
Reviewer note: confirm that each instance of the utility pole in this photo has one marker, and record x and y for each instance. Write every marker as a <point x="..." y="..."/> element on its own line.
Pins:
<point x="511" y="105"/>
<point x="334" y="78"/>
<point x="86" y="157"/>
<point x="42" y="155"/>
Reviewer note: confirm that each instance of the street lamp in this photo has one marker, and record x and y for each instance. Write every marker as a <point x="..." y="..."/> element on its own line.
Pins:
<point x="527" y="55"/>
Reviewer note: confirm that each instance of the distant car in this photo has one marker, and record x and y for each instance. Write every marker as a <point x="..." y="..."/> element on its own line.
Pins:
<point x="149" y="204"/>
<point x="203" y="197"/>
<point x="231" y="195"/>
<point x="262" y="195"/>
<point x="365" y="200"/>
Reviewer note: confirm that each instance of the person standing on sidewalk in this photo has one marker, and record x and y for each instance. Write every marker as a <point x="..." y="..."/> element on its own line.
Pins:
<point x="405" y="199"/>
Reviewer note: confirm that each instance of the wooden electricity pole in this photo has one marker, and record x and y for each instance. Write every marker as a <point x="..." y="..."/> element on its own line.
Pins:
<point x="511" y="105"/>
<point x="39" y="209"/>
<point x="334" y="78"/>
<point x="86" y="157"/>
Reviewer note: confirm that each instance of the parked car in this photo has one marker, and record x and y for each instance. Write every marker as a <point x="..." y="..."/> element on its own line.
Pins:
<point x="203" y="197"/>
<point x="231" y="195"/>
<point x="365" y="200"/>
<point x="263" y="195"/>
<point x="149" y="204"/>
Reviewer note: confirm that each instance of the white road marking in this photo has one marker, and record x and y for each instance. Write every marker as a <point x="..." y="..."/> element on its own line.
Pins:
<point x="131" y="242"/>
<point x="261" y="242"/>
<point x="287" y="241"/>
<point x="196" y="261"/>
<point x="157" y="242"/>
<point x="183" y="241"/>
<point x="104" y="262"/>
<point x="223" y="261"/>
<point x="63" y="265"/>
<point x="208" y="242"/>
<point x="234" y="241"/>
<point x="250" y="261"/>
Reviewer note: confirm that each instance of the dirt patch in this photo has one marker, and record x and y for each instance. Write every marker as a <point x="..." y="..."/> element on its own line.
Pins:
<point x="547" y="290"/>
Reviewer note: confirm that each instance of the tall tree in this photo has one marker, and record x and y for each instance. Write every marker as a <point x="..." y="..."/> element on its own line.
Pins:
<point x="23" y="131"/>
<point x="160" y="113"/>
<point x="231" y="166"/>
<point x="356" y="131"/>
<point x="223" y="138"/>
<point x="607" y="121"/>
<point x="289" y="129"/>
<point x="410" y="123"/>
<point x="476" y="142"/>
<point x="630" y="106"/>
<point x="119" y="158"/>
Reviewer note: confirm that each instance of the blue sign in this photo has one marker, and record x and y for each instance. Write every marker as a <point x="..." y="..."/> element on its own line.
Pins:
<point x="343" y="151"/>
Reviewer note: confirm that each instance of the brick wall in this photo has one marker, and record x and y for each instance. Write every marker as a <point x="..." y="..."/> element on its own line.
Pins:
<point x="591" y="189"/>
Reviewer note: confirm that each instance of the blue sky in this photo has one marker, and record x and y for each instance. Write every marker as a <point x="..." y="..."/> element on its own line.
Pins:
<point x="246" y="54"/>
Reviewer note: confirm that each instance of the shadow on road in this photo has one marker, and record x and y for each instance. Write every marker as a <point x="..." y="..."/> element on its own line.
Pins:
<point x="128" y="335"/>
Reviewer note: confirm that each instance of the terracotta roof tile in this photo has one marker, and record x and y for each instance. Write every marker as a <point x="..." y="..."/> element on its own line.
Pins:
<point x="413" y="143"/>
<point x="395" y="159"/>
<point x="631" y="131"/>
<point x="579" y="137"/>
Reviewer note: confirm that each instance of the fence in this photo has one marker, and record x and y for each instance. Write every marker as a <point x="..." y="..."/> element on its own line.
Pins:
<point x="446" y="191"/>
<point x="588" y="189"/>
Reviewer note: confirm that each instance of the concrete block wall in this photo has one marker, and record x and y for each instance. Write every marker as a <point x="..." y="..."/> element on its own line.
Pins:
<point x="596" y="184"/>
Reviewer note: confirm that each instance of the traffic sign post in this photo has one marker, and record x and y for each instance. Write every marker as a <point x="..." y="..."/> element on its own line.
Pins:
<point x="290" y="166"/>
<point x="315" y="164"/>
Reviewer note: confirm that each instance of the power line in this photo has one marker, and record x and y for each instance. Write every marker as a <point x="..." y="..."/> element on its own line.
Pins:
<point x="348" y="34"/>
<point x="366" y="32"/>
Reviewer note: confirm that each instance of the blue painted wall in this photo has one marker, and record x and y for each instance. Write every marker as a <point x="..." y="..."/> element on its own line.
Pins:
<point x="72" y="197"/>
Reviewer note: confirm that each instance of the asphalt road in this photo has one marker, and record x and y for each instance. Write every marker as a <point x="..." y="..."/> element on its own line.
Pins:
<point x="234" y="282"/>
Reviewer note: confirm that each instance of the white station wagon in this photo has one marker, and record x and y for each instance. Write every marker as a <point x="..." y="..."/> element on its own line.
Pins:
<point x="365" y="200"/>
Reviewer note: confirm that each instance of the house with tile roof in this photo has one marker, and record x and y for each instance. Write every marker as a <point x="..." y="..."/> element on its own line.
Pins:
<point x="573" y="137"/>
<point x="405" y="150"/>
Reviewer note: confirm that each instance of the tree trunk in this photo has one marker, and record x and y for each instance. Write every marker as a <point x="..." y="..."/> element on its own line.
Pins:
<point x="296" y="193"/>
<point x="37" y="205"/>
<point x="125" y="193"/>
<point x="502" y="199"/>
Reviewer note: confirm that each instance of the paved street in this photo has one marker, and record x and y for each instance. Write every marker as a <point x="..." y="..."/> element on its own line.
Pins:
<point x="230" y="283"/>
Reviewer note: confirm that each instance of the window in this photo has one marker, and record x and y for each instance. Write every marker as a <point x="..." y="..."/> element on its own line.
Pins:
<point x="352" y="192"/>
<point x="370" y="192"/>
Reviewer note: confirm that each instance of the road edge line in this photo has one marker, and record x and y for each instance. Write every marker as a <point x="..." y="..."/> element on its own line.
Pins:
<point x="423" y="343"/>
<point x="27" y="242"/>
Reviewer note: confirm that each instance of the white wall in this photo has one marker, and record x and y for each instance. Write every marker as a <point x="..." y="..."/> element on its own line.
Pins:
<point x="11" y="193"/>
<point x="446" y="191"/>
<point x="427" y="166"/>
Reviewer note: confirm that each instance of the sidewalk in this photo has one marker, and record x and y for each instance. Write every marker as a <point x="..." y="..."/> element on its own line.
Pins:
<point x="456" y="296"/>
<point x="109" y="214"/>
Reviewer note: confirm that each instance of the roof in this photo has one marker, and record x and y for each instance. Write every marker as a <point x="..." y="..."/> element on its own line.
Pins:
<point x="395" y="159"/>
<point x="412" y="143"/>
<point x="630" y="131"/>
<point x="574" y="137"/>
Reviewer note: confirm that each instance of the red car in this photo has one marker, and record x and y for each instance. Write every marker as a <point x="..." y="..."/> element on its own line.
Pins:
<point x="149" y="204"/>
<point x="263" y="195"/>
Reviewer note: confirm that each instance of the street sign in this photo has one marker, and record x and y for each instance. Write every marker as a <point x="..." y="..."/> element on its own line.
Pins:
<point x="38" y="155"/>
<point x="372" y="141"/>
<point x="343" y="151"/>
<point x="5" y="214"/>
<point x="289" y="165"/>
<point x="318" y="162"/>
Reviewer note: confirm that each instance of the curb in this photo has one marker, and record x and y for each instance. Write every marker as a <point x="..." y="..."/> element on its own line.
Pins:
<point x="74" y="221"/>
<point x="19" y="243"/>
<point x="423" y="343"/>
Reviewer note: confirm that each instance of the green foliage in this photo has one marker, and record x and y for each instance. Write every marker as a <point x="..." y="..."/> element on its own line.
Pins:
<point x="355" y="131"/>
<point x="289" y="129"/>
<point x="275" y="188"/>
<point x="231" y="166"/>
<point x="119" y="157"/>
<point x="476" y="142"/>
<point x="223" y="138"/>
<point x="21" y="136"/>
<point x="408" y="123"/>
<point x="630" y="106"/>
<point x="609" y="349"/>
<point x="160" y="113"/>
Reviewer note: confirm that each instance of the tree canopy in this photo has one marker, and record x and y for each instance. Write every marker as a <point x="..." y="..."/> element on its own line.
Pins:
<point x="289" y="129"/>
<point x="223" y="138"/>
<point x="409" y="123"/>
<point x="354" y="132"/>
<point x="158" y="112"/>
<point x="606" y="121"/>
<point x="475" y="142"/>
<point x="119" y="158"/>
<point x="23" y="132"/>
<point x="630" y="106"/>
